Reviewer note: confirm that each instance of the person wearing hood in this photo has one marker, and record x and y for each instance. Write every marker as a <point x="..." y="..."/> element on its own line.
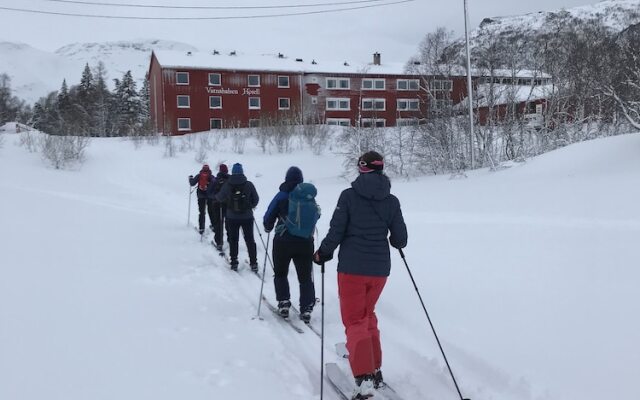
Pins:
<point x="204" y="180"/>
<point x="365" y="215"/>
<point x="219" y="208"/>
<point x="288" y="247"/>
<point x="241" y="198"/>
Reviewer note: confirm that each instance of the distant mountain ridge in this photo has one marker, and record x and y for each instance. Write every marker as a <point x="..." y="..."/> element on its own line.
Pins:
<point x="34" y="73"/>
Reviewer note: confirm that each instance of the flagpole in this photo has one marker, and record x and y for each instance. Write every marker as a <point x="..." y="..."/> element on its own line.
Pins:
<point x="469" y="83"/>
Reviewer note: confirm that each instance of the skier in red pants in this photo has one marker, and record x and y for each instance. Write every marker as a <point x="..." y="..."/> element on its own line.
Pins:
<point x="365" y="215"/>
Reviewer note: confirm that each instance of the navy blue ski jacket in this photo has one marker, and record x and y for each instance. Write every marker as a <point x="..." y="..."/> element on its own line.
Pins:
<point x="365" y="215"/>
<point x="249" y="190"/>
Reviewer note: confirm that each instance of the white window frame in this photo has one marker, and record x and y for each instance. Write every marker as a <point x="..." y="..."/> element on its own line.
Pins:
<point x="215" y="108"/>
<point x="408" y="103"/>
<point x="373" y="122"/>
<point x="182" y="73"/>
<point x="184" y="129"/>
<point x="211" y="123"/>
<point x="407" y="122"/>
<point x="374" y="83"/>
<point x="374" y="104"/>
<point x="288" y="99"/>
<point x="254" y="107"/>
<point x="338" y="121"/>
<point x="338" y="100"/>
<point x="337" y="83"/>
<point x="249" y="81"/>
<point x="288" y="81"/>
<point x="441" y="104"/>
<point x="183" y="96"/>
<point x="438" y="85"/>
<point x="219" y="79"/>
<point x="408" y="83"/>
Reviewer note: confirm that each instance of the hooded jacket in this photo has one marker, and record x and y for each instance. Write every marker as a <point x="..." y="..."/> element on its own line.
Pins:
<point x="248" y="189"/>
<point x="365" y="215"/>
<point x="278" y="209"/>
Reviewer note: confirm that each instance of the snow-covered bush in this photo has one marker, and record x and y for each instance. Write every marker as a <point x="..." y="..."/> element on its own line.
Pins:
<point x="63" y="151"/>
<point x="170" y="147"/>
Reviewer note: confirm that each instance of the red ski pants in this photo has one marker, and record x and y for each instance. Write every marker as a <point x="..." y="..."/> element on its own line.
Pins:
<point x="358" y="297"/>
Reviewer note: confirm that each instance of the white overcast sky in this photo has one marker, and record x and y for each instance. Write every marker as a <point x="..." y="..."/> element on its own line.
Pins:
<point x="393" y="30"/>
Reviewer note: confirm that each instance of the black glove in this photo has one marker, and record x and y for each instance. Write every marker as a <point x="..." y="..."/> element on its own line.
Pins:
<point x="190" y="178"/>
<point x="320" y="258"/>
<point x="267" y="230"/>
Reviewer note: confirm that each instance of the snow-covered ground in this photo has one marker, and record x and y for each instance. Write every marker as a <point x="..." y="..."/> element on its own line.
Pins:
<point x="530" y="275"/>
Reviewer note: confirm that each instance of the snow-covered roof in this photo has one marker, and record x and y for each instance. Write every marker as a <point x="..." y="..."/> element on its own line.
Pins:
<point x="271" y="62"/>
<point x="506" y="94"/>
<point x="458" y="70"/>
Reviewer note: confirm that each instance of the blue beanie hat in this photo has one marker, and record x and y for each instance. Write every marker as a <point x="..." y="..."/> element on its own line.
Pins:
<point x="294" y="174"/>
<point x="237" y="169"/>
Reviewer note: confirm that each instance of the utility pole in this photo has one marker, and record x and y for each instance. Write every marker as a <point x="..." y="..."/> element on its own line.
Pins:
<point x="469" y="83"/>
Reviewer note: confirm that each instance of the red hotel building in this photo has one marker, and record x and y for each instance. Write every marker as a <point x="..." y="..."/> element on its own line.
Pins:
<point x="192" y="92"/>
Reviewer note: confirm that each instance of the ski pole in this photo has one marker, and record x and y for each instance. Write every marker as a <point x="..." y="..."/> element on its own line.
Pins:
<point x="263" y="245"/>
<point x="189" y="209"/>
<point x="431" y="324"/>
<point x="322" y="335"/>
<point x="264" y="269"/>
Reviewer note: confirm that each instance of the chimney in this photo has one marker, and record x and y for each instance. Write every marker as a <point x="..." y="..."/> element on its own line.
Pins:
<point x="376" y="58"/>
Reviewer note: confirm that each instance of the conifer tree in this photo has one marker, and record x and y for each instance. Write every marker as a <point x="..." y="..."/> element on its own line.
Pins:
<point x="128" y="105"/>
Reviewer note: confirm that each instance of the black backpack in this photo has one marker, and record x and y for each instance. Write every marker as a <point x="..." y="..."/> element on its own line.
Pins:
<point x="238" y="201"/>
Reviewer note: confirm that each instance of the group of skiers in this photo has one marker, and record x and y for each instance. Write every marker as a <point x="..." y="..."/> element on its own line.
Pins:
<point x="366" y="220"/>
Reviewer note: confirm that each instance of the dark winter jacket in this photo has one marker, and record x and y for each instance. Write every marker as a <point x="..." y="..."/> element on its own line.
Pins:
<point x="203" y="194"/>
<point x="220" y="180"/>
<point x="277" y="213"/>
<point x="248" y="189"/>
<point x="363" y="218"/>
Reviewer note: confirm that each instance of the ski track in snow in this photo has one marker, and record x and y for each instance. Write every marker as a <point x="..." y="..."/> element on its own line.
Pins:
<point x="118" y="298"/>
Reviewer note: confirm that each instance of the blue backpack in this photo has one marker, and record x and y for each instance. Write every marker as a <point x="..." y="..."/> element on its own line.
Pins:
<point x="304" y="212"/>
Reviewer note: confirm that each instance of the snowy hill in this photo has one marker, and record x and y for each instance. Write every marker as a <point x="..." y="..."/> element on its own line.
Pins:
<point x="30" y="81"/>
<point x="525" y="30"/>
<point x="616" y="14"/>
<point x="530" y="276"/>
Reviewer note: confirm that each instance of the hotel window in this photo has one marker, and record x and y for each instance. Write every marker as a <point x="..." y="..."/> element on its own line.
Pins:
<point x="338" y="104"/>
<point x="442" y="85"/>
<point x="408" y="84"/>
<point x="338" y="83"/>
<point x="214" y="80"/>
<point x="407" y="121"/>
<point x="408" y="104"/>
<point x="215" y="123"/>
<point x="339" y="121"/>
<point x="184" y="101"/>
<point x="215" y="101"/>
<point x="254" y="123"/>
<point x="373" y="84"/>
<point x="253" y="80"/>
<point x="441" y="104"/>
<point x="254" y="103"/>
<point x="184" y="124"/>
<point x="374" y="104"/>
<point x="283" y="103"/>
<point x="182" y="78"/>
<point x="283" y="81"/>
<point x="371" y="122"/>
